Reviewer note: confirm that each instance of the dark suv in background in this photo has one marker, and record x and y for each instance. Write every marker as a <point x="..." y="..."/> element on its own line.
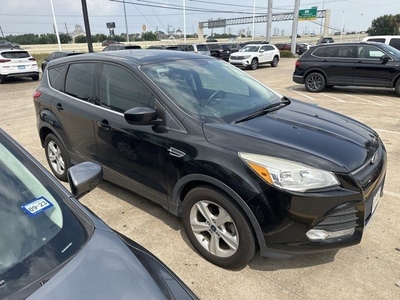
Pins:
<point x="349" y="64"/>
<point x="56" y="55"/>
<point x="221" y="51"/>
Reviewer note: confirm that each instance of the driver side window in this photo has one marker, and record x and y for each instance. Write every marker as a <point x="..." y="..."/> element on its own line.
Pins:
<point x="120" y="90"/>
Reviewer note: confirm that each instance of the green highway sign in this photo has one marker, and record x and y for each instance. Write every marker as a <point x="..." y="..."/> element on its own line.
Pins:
<point x="308" y="14"/>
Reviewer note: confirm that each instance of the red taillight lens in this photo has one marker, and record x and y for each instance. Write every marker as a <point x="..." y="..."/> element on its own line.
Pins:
<point x="297" y="64"/>
<point x="32" y="58"/>
<point x="4" y="60"/>
<point x="36" y="94"/>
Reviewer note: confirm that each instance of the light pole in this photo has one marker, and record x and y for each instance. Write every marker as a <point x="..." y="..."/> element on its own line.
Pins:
<point x="341" y="30"/>
<point x="359" y="28"/>
<point x="184" y="21"/>
<point x="126" y="24"/>
<point x="320" y="27"/>
<point x="254" y="12"/>
<point x="55" y="25"/>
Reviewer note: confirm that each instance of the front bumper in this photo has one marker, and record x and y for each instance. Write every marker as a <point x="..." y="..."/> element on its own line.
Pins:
<point x="319" y="221"/>
<point x="243" y="63"/>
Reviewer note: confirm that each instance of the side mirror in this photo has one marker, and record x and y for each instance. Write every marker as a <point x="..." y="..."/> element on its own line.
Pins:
<point x="142" y="116"/>
<point x="384" y="58"/>
<point x="84" y="177"/>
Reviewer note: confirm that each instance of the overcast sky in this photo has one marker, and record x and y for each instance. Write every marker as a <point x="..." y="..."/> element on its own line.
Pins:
<point x="35" y="16"/>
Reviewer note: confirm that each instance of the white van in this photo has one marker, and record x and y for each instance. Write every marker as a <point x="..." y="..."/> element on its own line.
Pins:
<point x="392" y="40"/>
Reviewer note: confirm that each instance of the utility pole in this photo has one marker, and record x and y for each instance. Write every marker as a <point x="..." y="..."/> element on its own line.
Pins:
<point x="87" y="26"/>
<point x="269" y="21"/>
<point x="66" y="28"/>
<point x="126" y="24"/>
<point x="2" y="34"/>
<point x="55" y="25"/>
<point x="294" y="26"/>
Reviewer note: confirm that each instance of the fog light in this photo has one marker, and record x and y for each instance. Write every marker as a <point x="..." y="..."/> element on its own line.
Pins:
<point x="321" y="235"/>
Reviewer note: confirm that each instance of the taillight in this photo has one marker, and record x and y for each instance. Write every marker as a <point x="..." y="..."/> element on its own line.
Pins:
<point x="32" y="58"/>
<point x="4" y="60"/>
<point x="36" y="94"/>
<point x="297" y="64"/>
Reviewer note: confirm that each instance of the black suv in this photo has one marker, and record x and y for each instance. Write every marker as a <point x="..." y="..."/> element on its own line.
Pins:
<point x="349" y="64"/>
<point x="220" y="51"/>
<point x="57" y="54"/>
<point x="244" y="167"/>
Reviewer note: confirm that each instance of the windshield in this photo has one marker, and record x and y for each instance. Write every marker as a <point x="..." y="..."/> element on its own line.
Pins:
<point x="38" y="232"/>
<point x="210" y="89"/>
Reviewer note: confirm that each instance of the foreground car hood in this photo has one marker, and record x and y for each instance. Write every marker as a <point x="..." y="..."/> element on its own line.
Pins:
<point x="104" y="269"/>
<point x="301" y="132"/>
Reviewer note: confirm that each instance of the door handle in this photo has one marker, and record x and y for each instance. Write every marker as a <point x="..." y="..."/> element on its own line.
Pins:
<point x="104" y="124"/>
<point x="59" y="106"/>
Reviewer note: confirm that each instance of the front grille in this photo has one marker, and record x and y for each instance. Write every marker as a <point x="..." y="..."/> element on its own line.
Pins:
<point x="340" y="220"/>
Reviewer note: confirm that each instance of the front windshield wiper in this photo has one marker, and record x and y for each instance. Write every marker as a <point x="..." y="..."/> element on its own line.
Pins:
<point x="270" y="108"/>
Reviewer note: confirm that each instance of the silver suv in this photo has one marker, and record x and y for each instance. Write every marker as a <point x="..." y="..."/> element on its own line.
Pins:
<point x="196" y="48"/>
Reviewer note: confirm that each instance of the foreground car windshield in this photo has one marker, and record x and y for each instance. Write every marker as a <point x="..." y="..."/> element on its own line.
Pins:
<point x="38" y="233"/>
<point x="211" y="89"/>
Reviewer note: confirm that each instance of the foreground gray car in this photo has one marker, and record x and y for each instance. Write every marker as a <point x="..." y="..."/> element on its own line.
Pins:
<point x="52" y="247"/>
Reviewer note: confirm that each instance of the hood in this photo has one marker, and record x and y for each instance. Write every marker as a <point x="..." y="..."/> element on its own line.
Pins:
<point x="301" y="132"/>
<point x="104" y="269"/>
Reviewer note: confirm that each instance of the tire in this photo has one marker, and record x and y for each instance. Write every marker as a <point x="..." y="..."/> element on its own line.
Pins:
<point x="275" y="62"/>
<point x="397" y="87"/>
<point x="254" y="64"/>
<point x="57" y="157"/>
<point x="2" y="80"/>
<point x="201" y="209"/>
<point x="35" y="77"/>
<point x="315" y="82"/>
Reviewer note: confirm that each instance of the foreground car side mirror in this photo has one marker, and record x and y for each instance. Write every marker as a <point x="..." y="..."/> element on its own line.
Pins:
<point x="143" y="115"/>
<point x="384" y="58"/>
<point x="84" y="177"/>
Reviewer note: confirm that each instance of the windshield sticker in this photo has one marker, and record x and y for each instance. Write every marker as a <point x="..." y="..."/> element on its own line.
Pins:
<point x="36" y="206"/>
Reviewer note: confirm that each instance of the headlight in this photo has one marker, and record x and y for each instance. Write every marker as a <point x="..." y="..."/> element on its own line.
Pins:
<point x="287" y="174"/>
<point x="246" y="56"/>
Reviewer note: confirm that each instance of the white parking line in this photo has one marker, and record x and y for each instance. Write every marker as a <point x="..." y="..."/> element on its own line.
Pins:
<point x="304" y="95"/>
<point x="388" y="131"/>
<point x="334" y="98"/>
<point x="365" y="100"/>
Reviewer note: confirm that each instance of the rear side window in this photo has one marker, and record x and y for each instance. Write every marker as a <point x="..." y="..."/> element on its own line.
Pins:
<point x="120" y="90"/>
<point x="79" y="80"/>
<point x="267" y="48"/>
<point x="15" y="54"/>
<point x="186" y="47"/>
<point x="379" y="40"/>
<point x="202" y="48"/>
<point x="56" y="77"/>
<point x="395" y="42"/>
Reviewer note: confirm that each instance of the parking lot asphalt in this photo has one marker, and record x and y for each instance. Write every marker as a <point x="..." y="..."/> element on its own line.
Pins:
<point x="370" y="270"/>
